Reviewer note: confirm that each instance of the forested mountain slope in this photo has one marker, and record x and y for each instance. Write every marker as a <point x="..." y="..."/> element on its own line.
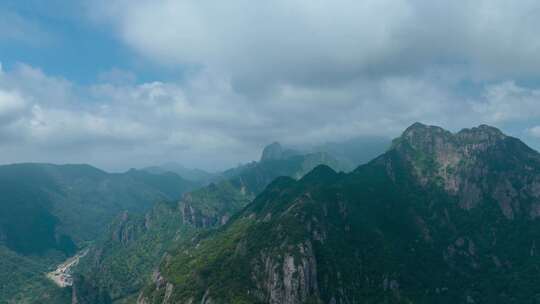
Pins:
<point x="439" y="218"/>
<point x="122" y="262"/>
<point x="48" y="212"/>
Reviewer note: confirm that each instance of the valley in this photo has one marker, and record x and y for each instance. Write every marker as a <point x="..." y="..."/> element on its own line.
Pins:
<point x="47" y="212"/>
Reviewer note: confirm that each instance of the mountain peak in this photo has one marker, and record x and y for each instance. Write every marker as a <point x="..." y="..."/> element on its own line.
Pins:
<point x="272" y="152"/>
<point x="436" y="154"/>
<point x="417" y="126"/>
<point x="482" y="133"/>
<point x="422" y="136"/>
<point x="321" y="173"/>
<point x="420" y="129"/>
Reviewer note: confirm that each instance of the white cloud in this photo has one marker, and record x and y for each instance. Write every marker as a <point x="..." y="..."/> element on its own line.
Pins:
<point x="534" y="131"/>
<point x="303" y="42"/>
<point x="296" y="71"/>
<point x="10" y="103"/>
<point x="508" y="102"/>
<point x="205" y="122"/>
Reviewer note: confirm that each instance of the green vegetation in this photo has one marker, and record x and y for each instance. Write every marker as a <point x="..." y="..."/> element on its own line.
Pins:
<point x="47" y="212"/>
<point x="121" y="266"/>
<point x="122" y="262"/>
<point x="381" y="234"/>
<point x="23" y="278"/>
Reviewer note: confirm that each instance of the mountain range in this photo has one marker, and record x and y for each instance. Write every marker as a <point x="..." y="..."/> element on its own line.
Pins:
<point x="121" y="263"/>
<point x="440" y="217"/>
<point x="196" y="175"/>
<point x="349" y="154"/>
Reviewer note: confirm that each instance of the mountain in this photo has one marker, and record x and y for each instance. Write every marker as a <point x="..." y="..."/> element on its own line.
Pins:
<point x="121" y="263"/>
<point x="122" y="260"/>
<point x="440" y="217"/>
<point x="196" y="175"/>
<point x="48" y="212"/>
<point x="349" y="153"/>
<point x="275" y="151"/>
<point x="355" y="151"/>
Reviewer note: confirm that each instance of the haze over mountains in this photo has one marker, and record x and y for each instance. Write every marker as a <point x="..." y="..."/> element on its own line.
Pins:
<point x="265" y="152"/>
<point x="349" y="153"/>
<point x="439" y="217"/>
<point x="48" y="212"/>
<point x="121" y="263"/>
<point x="197" y="175"/>
<point x="51" y="211"/>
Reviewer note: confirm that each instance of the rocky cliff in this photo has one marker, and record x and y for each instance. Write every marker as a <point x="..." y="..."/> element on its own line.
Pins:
<point x="122" y="262"/>
<point x="440" y="218"/>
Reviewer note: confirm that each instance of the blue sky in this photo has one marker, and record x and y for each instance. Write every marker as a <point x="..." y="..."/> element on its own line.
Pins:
<point x="62" y="41"/>
<point x="122" y="84"/>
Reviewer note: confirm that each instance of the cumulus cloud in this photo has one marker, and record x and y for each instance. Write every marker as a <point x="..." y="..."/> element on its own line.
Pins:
<point x="118" y="125"/>
<point x="509" y="102"/>
<point x="303" y="42"/>
<point x="298" y="71"/>
<point x="205" y="122"/>
<point x="534" y="131"/>
<point x="10" y="103"/>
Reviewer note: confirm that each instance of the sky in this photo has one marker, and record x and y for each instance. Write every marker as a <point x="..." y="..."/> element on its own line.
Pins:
<point x="121" y="84"/>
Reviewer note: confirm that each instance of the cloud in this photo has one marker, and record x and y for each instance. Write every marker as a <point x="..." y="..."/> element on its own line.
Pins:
<point x="204" y="121"/>
<point x="300" y="72"/>
<point x="10" y="104"/>
<point x="534" y="131"/>
<point x="507" y="101"/>
<point x="115" y="125"/>
<point x="317" y="43"/>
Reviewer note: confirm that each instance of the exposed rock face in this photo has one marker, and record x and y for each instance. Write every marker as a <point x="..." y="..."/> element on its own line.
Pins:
<point x="440" y="156"/>
<point x="123" y="262"/>
<point x="161" y="287"/>
<point x="439" y="218"/>
<point x="461" y="162"/>
<point x="195" y="217"/>
<point x="287" y="279"/>
<point x="124" y="231"/>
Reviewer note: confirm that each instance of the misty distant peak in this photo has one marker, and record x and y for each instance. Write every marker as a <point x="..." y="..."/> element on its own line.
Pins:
<point x="272" y="152"/>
